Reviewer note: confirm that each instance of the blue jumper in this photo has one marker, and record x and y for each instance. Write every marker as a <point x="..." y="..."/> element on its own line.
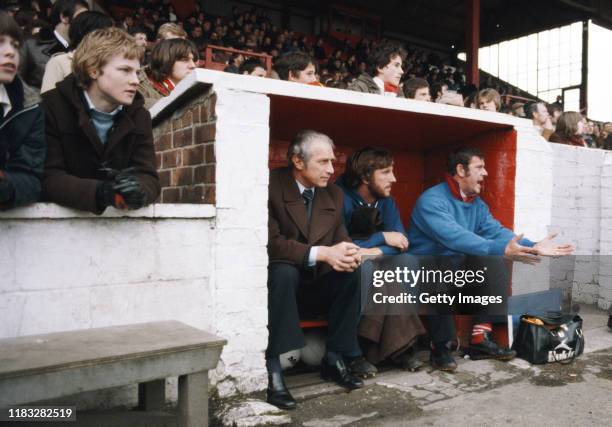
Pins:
<point x="443" y="225"/>
<point x="388" y="211"/>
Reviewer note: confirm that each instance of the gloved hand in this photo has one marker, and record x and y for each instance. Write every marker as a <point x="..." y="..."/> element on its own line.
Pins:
<point x="128" y="186"/>
<point x="122" y="190"/>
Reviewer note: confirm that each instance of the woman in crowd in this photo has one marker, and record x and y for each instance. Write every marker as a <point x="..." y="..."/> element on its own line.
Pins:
<point x="60" y="65"/>
<point x="171" y="61"/>
<point x="570" y="127"/>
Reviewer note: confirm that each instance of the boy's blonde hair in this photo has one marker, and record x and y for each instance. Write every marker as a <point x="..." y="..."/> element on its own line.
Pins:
<point x="96" y="49"/>
<point x="170" y="30"/>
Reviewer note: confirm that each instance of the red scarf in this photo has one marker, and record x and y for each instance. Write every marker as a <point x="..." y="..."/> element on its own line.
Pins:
<point x="316" y="83"/>
<point x="456" y="191"/>
<point x="391" y="88"/>
<point x="164" y="87"/>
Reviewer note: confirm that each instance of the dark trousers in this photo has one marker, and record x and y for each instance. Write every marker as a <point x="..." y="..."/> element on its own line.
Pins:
<point x="442" y="326"/>
<point x="289" y="290"/>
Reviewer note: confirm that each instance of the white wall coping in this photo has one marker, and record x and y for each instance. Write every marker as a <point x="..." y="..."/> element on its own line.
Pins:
<point x="220" y="79"/>
<point x="159" y="210"/>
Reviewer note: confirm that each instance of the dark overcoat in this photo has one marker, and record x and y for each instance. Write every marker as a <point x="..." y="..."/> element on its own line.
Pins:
<point x="76" y="156"/>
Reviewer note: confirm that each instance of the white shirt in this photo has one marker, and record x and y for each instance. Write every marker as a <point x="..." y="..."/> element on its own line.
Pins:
<point x="5" y="101"/>
<point x="61" y="39"/>
<point x="91" y="105"/>
<point x="312" y="255"/>
<point x="380" y="84"/>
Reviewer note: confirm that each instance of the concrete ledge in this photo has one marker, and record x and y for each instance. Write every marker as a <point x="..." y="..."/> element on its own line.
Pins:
<point x="166" y="210"/>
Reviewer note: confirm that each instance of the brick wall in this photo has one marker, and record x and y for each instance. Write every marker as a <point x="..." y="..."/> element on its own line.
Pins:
<point x="185" y="153"/>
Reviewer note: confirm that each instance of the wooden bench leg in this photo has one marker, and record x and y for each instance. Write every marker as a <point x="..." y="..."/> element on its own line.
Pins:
<point x="193" y="400"/>
<point x="152" y="395"/>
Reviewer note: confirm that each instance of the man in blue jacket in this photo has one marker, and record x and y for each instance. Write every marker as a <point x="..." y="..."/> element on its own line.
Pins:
<point x="451" y="219"/>
<point x="367" y="181"/>
<point x="22" y="135"/>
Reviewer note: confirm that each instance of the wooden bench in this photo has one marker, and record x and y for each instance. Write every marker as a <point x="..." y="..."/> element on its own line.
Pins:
<point x="49" y="366"/>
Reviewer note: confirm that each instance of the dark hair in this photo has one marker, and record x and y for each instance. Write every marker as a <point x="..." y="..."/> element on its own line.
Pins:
<point x="166" y="53"/>
<point x="85" y="23"/>
<point x="462" y="156"/>
<point x="292" y="63"/>
<point x="249" y="65"/>
<point x="412" y="85"/>
<point x="437" y="88"/>
<point x="362" y="163"/>
<point x="66" y="8"/>
<point x="555" y="106"/>
<point x="382" y="56"/>
<point x="137" y="29"/>
<point x="531" y="108"/>
<point x="8" y="27"/>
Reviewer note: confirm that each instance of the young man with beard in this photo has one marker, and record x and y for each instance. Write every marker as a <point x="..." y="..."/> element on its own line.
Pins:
<point x="451" y="221"/>
<point x="22" y="137"/>
<point x="367" y="183"/>
<point x="384" y="71"/>
<point x="99" y="136"/>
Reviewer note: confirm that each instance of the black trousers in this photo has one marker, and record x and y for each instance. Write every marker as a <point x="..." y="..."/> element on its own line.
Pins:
<point x="290" y="291"/>
<point x="442" y="326"/>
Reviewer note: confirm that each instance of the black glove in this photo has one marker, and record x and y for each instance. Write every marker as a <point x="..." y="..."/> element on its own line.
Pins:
<point x="128" y="186"/>
<point x="105" y="195"/>
<point x="122" y="190"/>
<point x="7" y="191"/>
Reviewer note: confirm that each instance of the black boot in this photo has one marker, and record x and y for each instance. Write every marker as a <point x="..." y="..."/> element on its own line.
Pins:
<point x="277" y="393"/>
<point x="339" y="374"/>
<point x="440" y="357"/>
<point x="488" y="349"/>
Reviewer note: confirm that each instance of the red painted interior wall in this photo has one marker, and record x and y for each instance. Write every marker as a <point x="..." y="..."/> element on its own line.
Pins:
<point x="418" y="164"/>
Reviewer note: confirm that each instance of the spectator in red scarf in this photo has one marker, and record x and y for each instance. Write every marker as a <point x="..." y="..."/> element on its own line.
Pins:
<point x="171" y="61"/>
<point x="384" y="71"/>
<point x="570" y="127"/>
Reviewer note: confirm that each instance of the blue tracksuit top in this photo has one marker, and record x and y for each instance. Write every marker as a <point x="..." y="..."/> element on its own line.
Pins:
<point x="388" y="211"/>
<point x="442" y="225"/>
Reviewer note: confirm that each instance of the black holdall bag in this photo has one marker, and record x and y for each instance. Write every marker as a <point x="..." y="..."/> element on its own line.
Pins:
<point x="553" y="337"/>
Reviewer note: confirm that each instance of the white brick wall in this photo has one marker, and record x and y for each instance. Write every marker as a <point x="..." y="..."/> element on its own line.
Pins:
<point x="242" y="141"/>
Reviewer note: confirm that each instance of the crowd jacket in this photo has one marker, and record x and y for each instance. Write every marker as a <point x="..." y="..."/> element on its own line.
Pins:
<point x="443" y="225"/>
<point x="364" y="83"/>
<point x="35" y="54"/>
<point x="76" y="155"/>
<point x="22" y="144"/>
<point x="575" y="140"/>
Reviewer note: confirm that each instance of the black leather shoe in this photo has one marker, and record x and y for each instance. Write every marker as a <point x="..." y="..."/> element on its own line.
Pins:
<point x="277" y="393"/>
<point x="361" y="368"/>
<point x="441" y="359"/>
<point x="339" y="374"/>
<point x="488" y="349"/>
<point x="610" y="322"/>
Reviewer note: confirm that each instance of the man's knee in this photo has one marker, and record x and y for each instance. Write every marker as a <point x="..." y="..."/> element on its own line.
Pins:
<point x="283" y="277"/>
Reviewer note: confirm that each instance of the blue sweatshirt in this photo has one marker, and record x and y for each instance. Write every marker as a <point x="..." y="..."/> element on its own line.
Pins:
<point x="443" y="225"/>
<point x="388" y="211"/>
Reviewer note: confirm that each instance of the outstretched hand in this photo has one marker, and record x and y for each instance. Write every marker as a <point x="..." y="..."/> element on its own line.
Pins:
<point x="546" y="247"/>
<point x="520" y="253"/>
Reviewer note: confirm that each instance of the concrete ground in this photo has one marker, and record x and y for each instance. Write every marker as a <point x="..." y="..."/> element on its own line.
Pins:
<point x="479" y="393"/>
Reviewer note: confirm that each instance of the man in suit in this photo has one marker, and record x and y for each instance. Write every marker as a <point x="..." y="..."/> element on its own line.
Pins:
<point x="311" y="259"/>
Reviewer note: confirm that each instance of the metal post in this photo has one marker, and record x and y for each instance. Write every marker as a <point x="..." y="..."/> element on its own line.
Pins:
<point x="472" y="38"/>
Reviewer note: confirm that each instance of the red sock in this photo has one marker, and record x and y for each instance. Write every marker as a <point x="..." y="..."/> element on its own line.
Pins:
<point x="478" y="332"/>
